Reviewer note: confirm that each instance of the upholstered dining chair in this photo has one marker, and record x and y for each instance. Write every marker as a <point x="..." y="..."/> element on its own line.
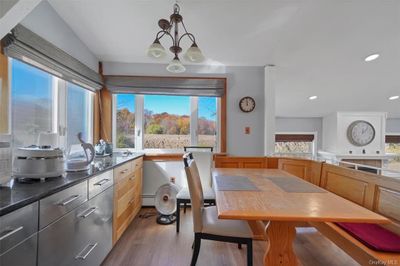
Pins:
<point x="204" y="159"/>
<point x="206" y="224"/>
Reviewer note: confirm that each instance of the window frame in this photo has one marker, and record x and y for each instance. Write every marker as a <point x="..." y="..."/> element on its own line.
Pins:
<point x="139" y="125"/>
<point x="314" y="142"/>
<point x="59" y="107"/>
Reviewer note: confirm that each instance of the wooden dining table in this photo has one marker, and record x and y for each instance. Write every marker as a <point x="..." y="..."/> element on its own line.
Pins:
<point x="283" y="200"/>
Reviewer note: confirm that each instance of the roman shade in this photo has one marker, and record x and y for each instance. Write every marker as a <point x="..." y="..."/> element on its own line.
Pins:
<point x="392" y="138"/>
<point x="25" y="45"/>
<point x="166" y="85"/>
<point x="294" y="137"/>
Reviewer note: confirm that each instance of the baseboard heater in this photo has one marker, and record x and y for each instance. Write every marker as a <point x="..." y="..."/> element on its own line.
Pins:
<point x="148" y="200"/>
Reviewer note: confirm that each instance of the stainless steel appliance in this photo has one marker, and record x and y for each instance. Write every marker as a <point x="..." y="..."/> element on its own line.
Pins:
<point x="38" y="162"/>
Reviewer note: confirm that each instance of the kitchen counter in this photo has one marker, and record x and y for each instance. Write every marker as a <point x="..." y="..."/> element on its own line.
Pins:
<point x="17" y="194"/>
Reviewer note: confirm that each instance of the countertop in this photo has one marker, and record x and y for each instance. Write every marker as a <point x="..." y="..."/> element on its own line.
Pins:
<point x="17" y="194"/>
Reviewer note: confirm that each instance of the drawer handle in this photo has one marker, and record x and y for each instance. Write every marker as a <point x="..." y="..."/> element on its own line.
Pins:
<point x="123" y="171"/>
<point x="69" y="200"/>
<point x="131" y="178"/>
<point x="83" y="257"/>
<point x="101" y="182"/>
<point x="88" y="212"/>
<point x="10" y="232"/>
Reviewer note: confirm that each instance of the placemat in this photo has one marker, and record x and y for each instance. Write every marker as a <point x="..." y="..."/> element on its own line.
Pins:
<point x="294" y="185"/>
<point x="235" y="183"/>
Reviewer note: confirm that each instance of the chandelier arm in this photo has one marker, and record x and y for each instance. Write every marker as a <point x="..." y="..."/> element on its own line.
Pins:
<point x="172" y="38"/>
<point x="191" y="37"/>
<point x="164" y="33"/>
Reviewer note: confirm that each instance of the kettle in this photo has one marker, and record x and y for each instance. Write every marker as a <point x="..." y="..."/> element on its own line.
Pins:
<point x="80" y="156"/>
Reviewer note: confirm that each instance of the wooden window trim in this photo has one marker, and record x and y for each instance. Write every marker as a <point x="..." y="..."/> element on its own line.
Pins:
<point x="4" y="94"/>
<point x="103" y="112"/>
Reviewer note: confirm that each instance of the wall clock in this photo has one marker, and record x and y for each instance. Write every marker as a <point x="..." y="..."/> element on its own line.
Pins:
<point x="247" y="104"/>
<point x="360" y="133"/>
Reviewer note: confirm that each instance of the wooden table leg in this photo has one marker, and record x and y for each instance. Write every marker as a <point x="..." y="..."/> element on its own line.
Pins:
<point x="280" y="247"/>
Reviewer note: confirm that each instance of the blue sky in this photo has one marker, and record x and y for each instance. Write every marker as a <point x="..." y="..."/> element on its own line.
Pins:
<point x="178" y="105"/>
<point x="30" y="82"/>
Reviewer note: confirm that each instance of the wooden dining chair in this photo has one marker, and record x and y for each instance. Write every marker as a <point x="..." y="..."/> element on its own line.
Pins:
<point x="206" y="224"/>
<point x="204" y="159"/>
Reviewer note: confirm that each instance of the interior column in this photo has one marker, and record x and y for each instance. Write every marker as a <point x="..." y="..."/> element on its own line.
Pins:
<point x="269" y="109"/>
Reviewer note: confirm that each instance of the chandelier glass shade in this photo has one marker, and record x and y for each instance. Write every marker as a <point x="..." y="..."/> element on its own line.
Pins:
<point x="170" y="28"/>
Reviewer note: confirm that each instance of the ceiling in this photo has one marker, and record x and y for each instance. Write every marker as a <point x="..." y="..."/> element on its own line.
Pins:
<point x="318" y="46"/>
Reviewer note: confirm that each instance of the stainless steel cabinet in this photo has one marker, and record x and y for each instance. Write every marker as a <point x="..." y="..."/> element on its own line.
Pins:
<point x="18" y="237"/>
<point x="24" y="254"/>
<point x="100" y="183"/>
<point x="60" y="203"/>
<point x="81" y="237"/>
<point x="17" y="226"/>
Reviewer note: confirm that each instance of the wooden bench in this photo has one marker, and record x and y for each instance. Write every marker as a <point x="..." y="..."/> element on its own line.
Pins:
<point x="378" y="193"/>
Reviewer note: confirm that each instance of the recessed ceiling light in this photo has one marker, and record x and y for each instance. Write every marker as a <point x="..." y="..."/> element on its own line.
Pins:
<point x="313" y="97"/>
<point x="371" y="57"/>
<point x="395" y="97"/>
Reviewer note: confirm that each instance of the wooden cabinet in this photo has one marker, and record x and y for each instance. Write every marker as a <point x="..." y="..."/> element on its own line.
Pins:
<point x="127" y="195"/>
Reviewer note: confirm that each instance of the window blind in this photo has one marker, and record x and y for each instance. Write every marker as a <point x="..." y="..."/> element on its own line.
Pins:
<point x="392" y="138"/>
<point x="25" y="45"/>
<point x="294" y="137"/>
<point x="214" y="87"/>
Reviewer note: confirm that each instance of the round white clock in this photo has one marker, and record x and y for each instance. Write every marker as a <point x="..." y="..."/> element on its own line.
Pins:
<point x="360" y="133"/>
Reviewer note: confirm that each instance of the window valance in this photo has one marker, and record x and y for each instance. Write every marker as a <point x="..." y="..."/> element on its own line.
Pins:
<point x="294" y="137"/>
<point x="166" y="85"/>
<point x="25" y="45"/>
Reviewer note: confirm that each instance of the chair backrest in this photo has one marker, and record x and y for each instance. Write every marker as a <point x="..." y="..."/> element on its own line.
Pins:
<point x="195" y="191"/>
<point x="204" y="162"/>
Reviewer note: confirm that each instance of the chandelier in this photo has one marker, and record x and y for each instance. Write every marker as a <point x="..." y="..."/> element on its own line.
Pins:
<point x="171" y="28"/>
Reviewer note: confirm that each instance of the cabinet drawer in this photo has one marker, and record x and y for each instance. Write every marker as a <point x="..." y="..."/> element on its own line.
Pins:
<point x="17" y="226"/>
<point x="124" y="202"/>
<point x="122" y="171"/>
<point x="100" y="183"/>
<point x="86" y="234"/>
<point x="137" y="163"/>
<point x="58" y="204"/>
<point x="24" y="254"/>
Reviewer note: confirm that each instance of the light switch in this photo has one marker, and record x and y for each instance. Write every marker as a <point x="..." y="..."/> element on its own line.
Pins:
<point x="247" y="130"/>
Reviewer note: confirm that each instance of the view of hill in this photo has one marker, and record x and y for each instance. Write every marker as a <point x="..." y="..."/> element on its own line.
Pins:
<point x="162" y="130"/>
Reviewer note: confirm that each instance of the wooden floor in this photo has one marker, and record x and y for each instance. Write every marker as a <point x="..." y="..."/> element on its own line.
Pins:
<point x="147" y="243"/>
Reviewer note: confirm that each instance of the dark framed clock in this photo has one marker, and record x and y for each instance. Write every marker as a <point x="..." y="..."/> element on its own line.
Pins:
<point x="247" y="104"/>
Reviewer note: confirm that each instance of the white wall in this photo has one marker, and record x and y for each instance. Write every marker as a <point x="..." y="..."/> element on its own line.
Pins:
<point x="241" y="81"/>
<point x="294" y="124"/>
<point x="393" y="125"/>
<point x="45" y="21"/>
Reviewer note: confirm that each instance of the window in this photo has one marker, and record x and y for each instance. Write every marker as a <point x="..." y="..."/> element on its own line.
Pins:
<point x="79" y="114"/>
<point x="393" y="147"/>
<point x="44" y="103"/>
<point x="32" y="103"/>
<point x="297" y="143"/>
<point x="125" y="121"/>
<point x="166" y="122"/>
<point x="207" y="122"/>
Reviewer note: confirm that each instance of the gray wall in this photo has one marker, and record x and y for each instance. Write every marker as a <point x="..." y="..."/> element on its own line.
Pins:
<point x="393" y="125"/>
<point x="241" y="81"/>
<point x="44" y="21"/>
<point x="289" y="124"/>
